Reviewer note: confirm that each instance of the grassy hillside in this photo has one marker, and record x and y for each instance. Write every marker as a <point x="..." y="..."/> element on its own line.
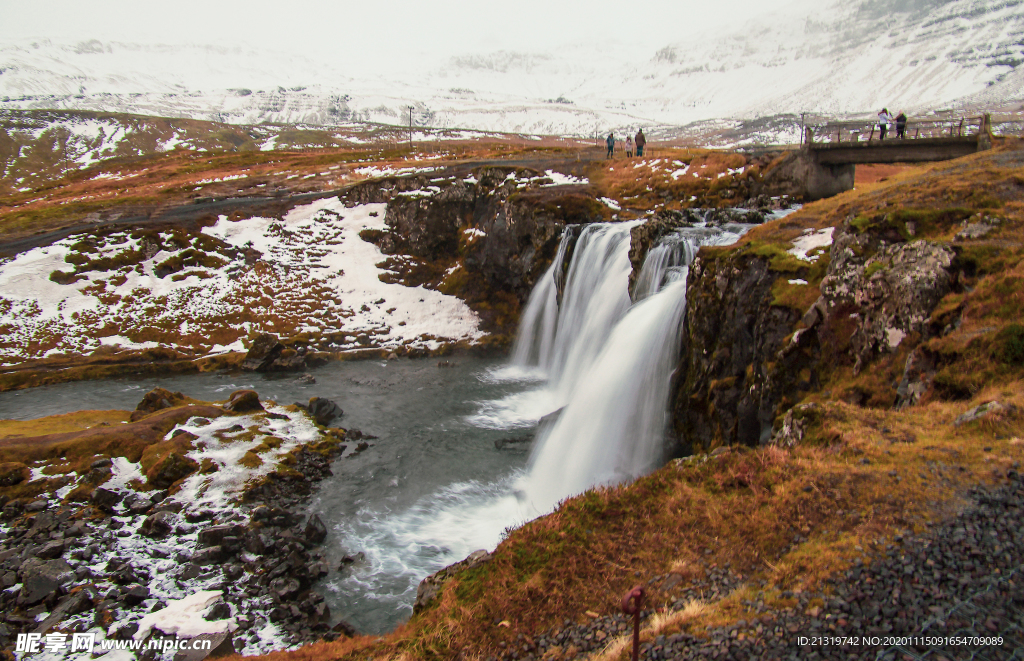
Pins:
<point x="778" y="521"/>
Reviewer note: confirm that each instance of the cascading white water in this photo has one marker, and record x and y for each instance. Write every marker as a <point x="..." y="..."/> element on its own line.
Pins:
<point x="612" y="427"/>
<point x="535" y="338"/>
<point x="563" y="339"/>
<point x="615" y="381"/>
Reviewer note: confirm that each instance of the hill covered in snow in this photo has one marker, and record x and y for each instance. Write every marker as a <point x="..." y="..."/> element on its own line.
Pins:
<point x="829" y="58"/>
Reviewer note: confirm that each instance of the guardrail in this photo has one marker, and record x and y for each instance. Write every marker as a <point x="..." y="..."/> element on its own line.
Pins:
<point x="916" y="129"/>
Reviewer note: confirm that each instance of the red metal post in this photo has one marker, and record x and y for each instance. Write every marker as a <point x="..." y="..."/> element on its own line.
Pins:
<point x="632" y="604"/>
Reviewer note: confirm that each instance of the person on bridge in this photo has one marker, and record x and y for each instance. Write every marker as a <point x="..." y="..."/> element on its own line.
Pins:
<point x="901" y="125"/>
<point x="884" y="120"/>
<point x="629" y="147"/>
<point x="641" y="142"/>
<point x="611" y="144"/>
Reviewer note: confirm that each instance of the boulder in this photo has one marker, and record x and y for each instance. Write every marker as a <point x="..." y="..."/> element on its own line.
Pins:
<point x="983" y="410"/>
<point x="215" y="535"/>
<point x="316" y="531"/>
<point x="158" y="525"/>
<point x="37" y="506"/>
<point x="211" y="555"/>
<point x="221" y="644"/>
<point x="41" y="578"/>
<point x="918" y="374"/>
<point x="136" y="594"/>
<point x="158" y="399"/>
<point x="105" y="499"/>
<point x="264" y="351"/>
<point x="170" y="469"/>
<point x="51" y="549"/>
<point x="244" y="401"/>
<point x="72" y="604"/>
<point x="324" y="410"/>
<point x="219" y="611"/>
<point x="139" y="504"/>
<point x="285" y="588"/>
<point x="795" y="423"/>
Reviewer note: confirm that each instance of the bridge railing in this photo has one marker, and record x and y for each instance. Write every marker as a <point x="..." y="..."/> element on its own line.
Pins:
<point x="825" y="132"/>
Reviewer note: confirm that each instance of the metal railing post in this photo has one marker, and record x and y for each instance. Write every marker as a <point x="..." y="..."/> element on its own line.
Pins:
<point x="632" y="604"/>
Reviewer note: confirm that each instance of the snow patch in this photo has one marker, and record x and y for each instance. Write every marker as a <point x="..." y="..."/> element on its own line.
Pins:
<point x="811" y="240"/>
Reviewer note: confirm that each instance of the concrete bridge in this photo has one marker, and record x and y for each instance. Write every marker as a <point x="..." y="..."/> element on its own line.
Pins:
<point x="830" y="151"/>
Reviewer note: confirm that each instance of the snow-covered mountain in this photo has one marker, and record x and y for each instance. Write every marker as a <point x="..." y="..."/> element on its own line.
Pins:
<point x="823" y="57"/>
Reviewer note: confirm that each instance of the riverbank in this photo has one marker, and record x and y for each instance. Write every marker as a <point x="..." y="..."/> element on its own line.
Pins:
<point x="180" y="517"/>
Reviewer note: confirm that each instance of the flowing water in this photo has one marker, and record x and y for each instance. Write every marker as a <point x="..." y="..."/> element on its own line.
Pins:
<point x="434" y="487"/>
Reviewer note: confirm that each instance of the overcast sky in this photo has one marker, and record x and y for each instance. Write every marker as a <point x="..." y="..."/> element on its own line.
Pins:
<point x="392" y="29"/>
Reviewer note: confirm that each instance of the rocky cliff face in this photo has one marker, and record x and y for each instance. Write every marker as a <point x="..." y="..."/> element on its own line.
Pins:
<point x="644" y="237"/>
<point x="748" y="357"/>
<point x="485" y="235"/>
<point x="729" y="388"/>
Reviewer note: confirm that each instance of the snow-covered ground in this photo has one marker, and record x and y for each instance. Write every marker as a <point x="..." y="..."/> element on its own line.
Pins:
<point x="155" y="562"/>
<point x="316" y="276"/>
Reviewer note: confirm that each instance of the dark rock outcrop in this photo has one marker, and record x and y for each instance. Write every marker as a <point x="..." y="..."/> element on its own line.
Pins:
<point x="158" y="525"/>
<point x="42" y="578"/>
<point x="644" y="237"/>
<point x="747" y="360"/>
<point x="13" y="472"/>
<point x="171" y="468"/>
<point x="501" y="222"/>
<point x="728" y="393"/>
<point x="105" y="499"/>
<point x="893" y="286"/>
<point x="315" y="531"/>
<point x="158" y="399"/>
<point x="264" y="351"/>
<point x="323" y="410"/>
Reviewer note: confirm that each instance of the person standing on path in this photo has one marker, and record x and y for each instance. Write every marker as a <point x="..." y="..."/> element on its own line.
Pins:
<point x="884" y="120"/>
<point x="640" y="141"/>
<point x="901" y="125"/>
<point x="629" y="147"/>
<point x="611" y="144"/>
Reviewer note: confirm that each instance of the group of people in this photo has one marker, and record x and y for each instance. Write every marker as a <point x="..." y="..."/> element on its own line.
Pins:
<point x="885" y="120"/>
<point x="640" y="142"/>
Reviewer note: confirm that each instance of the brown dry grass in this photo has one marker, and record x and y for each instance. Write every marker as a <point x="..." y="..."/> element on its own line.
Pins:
<point x="872" y="173"/>
<point x="744" y="506"/>
<point x="77" y="448"/>
<point x="68" y="422"/>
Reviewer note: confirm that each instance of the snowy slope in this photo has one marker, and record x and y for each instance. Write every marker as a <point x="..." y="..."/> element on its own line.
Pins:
<point x="816" y="57"/>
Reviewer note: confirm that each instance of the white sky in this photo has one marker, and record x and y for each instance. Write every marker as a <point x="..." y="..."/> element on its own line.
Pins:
<point x="390" y="30"/>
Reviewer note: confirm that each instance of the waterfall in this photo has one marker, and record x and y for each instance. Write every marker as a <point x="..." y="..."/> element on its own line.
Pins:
<point x="563" y="339"/>
<point x="594" y="365"/>
<point x="608" y="363"/>
<point x="535" y="337"/>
